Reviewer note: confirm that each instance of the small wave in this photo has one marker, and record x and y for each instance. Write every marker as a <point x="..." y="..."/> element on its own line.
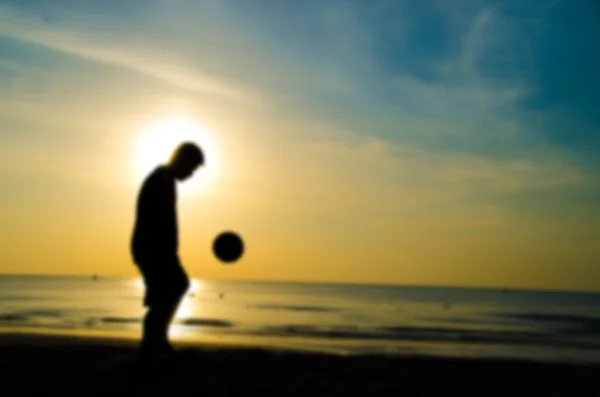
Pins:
<point x="322" y="332"/>
<point x="28" y="315"/>
<point x="44" y="313"/>
<point x="207" y="322"/>
<point x="570" y="323"/>
<point x="13" y="317"/>
<point x="120" y="320"/>
<point x="424" y="334"/>
<point x="487" y="323"/>
<point x="453" y="320"/>
<point x="296" y="308"/>
<point x="467" y="335"/>
<point x="15" y="298"/>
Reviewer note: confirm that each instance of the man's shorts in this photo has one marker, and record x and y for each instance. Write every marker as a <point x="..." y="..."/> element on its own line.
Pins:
<point x="165" y="281"/>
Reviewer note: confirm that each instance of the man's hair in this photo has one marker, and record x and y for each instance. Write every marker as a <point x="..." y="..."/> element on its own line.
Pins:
<point x="188" y="152"/>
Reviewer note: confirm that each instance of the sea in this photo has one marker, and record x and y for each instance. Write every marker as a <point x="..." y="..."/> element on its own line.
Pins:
<point x="344" y="319"/>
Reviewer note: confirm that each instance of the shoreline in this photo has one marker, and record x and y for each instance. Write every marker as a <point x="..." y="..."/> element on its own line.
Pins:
<point x="335" y="347"/>
<point x="85" y="365"/>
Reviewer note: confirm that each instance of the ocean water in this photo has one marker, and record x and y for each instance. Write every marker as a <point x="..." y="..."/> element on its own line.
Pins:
<point x="343" y="319"/>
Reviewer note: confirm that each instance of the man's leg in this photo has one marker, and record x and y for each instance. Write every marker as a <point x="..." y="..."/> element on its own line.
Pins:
<point x="156" y="326"/>
<point x="181" y="284"/>
<point x="151" y="335"/>
<point x="161" y="312"/>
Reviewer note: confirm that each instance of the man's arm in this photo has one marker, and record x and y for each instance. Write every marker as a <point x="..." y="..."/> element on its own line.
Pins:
<point x="155" y="236"/>
<point x="166" y="220"/>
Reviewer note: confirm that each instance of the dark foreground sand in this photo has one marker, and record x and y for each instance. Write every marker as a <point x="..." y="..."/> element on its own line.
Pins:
<point x="69" y="366"/>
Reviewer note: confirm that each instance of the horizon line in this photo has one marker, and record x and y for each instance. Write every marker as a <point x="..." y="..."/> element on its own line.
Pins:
<point x="333" y="283"/>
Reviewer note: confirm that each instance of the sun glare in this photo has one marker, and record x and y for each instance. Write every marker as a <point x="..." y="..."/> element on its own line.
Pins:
<point x="156" y="143"/>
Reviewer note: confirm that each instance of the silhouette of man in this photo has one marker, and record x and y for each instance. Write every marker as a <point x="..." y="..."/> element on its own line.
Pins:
<point x="154" y="247"/>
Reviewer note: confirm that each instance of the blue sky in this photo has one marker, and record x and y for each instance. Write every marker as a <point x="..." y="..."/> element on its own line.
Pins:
<point x="535" y="59"/>
<point x="439" y="108"/>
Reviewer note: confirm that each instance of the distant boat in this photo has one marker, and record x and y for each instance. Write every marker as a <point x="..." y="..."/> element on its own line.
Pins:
<point x="95" y="277"/>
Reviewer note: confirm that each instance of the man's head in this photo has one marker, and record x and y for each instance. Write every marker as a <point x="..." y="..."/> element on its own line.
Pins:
<point x="185" y="159"/>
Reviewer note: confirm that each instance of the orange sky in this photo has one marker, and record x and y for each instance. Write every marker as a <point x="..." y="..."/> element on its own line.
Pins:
<point x="330" y="170"/>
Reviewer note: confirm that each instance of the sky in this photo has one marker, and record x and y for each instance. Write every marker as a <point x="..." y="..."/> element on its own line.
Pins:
<point x="402" y="142"/>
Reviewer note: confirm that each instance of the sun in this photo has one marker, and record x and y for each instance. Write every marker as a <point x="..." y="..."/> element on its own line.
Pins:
<point x="157" y="141"/>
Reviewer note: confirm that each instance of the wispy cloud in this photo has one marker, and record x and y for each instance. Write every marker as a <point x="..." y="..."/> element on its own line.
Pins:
<point x="26" y="28"/>
<point x="443" y="126"/>
<point x="438" y="130"/>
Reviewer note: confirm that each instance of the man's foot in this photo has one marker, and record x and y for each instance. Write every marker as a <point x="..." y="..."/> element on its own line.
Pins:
<point x="156" y="352"/>
<point x="167" y="348"/>
<point x="154" y="359"/>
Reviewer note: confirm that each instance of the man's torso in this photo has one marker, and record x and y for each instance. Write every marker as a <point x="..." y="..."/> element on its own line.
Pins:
<point x="155" y="236"/>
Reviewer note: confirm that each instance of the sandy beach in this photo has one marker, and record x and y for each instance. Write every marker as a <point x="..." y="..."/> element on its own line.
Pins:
<point x="78" y="366"/>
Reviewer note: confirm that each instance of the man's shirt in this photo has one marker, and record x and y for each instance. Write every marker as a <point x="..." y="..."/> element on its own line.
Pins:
<point x="155" y="232"/>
